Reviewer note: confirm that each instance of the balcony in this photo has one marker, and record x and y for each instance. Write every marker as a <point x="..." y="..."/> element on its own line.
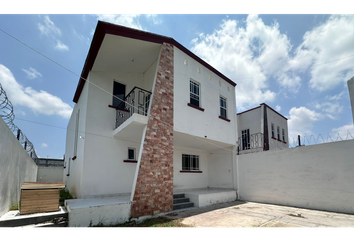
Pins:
<point x="131" y="114"/>
<point x="250" y="143"/>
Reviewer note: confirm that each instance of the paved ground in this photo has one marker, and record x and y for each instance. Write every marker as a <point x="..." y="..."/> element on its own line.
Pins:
<point x="249" y="214"/>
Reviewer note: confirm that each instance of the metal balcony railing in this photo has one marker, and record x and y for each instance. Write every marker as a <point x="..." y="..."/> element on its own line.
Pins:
<point x="137" y="101"/>
<point x="251" y="141"/>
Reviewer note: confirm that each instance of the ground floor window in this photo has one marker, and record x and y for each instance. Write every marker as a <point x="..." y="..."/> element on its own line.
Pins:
<point x="190" y="162"/>
<point x="131" y="153"/>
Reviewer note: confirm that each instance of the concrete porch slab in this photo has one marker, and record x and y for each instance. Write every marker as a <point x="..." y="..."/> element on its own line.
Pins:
<point x="202" y="197"/>
<point x="98" y="210"/>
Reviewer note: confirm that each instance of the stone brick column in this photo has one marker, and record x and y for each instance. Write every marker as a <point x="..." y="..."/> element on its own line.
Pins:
<point x="154" y="186"/>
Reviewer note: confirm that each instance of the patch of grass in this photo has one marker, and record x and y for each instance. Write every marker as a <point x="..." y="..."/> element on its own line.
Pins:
<point x="64" y="194"/>
<point x="14" y="207"/>
<point x="151" y="222"/>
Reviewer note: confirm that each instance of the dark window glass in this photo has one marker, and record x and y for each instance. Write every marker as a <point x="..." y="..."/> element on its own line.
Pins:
<point x="194" y="93"/>
<point x="118" y="92"/>
<point x="245" y="139"/>
<point x="131" y="154"/>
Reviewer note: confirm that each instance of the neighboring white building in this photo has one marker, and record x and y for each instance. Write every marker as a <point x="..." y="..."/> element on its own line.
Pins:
<point x="174" y="132"/>
<point x="351" y="94"/>
<point x="261" y="129"/>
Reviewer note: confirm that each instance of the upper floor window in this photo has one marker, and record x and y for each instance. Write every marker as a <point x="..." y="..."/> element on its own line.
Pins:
<point x="283" y="133"/>
<point x="273" y="131"/>
<point x="223" y="111"/>
<point x="195" y="93"/>
<point x="278" y="132"/>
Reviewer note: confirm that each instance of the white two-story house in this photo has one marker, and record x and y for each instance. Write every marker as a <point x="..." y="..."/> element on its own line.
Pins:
<point x="261" y="129"/>
<point x="151" y="119"/>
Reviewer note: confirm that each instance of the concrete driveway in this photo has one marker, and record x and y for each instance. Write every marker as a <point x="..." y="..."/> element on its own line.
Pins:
<point x="250" y="214"/>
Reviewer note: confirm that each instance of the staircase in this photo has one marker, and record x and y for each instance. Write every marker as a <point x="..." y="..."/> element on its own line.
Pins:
<point x="181" y="202"/>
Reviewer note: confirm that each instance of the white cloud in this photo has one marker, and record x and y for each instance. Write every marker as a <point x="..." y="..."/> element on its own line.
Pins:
<point x="49" y="29"/>
<point x="32" y="73"/>
<point x="249" y="56"/>
<point x="330" y="109"/>
<point x="345" y="132"/>
<point x="277" y="108"/>
<point x="44" y="145"/>
<point x="61" y="46"/>
<point x="39" y="102"/>
<point x="300" y="122"/>
<point x="154" y="18"/>
<point x="329" y="41"/>
<point x="127" y="20"/>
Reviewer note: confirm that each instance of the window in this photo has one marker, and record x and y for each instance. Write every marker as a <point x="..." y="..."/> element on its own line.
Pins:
<point x="194" y="93"/>
<point x="245" y="139"/>
<point x="131" y="153"/>
<point x="273" y="130"/>
<point x="118" y="94"/>
<point x="190" y="162"/>
<point x="278" y="132"/>
<point x="283" y="133"/>
<point x="223" y="111"/>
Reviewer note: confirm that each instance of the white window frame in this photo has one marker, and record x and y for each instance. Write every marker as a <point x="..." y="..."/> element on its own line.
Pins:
<point x="134" y="153"/>
<point x="193" y="94"/>
<point x="222" y="98"/>
<point x="191" y="158"/>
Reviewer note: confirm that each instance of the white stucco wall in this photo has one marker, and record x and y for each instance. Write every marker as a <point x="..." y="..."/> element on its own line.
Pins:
<point x="16" y="167"/>
<point x="102" y="170"/>
<point x="315" y="177"/>
<point x="192" y="121"/>
<point x="250" y="120"/>
<point x="221" y="168"/>
<point x="277" y="120"/>
<point x="190" y="180"/>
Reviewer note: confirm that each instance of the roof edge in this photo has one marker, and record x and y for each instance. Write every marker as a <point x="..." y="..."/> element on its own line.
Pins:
<point x="259" y="107"/>
<point x="104" y="28"/>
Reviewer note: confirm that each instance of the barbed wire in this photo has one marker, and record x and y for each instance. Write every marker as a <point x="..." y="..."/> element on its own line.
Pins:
<point x="319" y="139"/>
<point x="7" y="114"/>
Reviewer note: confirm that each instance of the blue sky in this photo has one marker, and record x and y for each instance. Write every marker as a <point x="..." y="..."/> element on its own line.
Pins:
<point x="297" y="64"/>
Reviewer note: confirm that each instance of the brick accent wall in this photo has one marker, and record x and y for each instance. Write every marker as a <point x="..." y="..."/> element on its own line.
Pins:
<point x="154" y="187"/>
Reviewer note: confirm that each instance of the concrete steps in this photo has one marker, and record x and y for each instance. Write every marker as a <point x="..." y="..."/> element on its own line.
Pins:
<point x="51" y="219"/>
<point x="181" y="202"/>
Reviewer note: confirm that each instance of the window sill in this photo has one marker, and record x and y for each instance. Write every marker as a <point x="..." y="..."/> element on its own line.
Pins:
<point x="67" y="175"/>
<point x="274" y="138"/>
<point x="112" y="106"/>
<point x="73" y="158"/>
<point x="284" y="142"/>
<point x="184" y="171"/>
<point x="130" y="161"/>
<point x="279" y="140"/>
<point x="225" y="119"/>
<point x="193" y="106"/>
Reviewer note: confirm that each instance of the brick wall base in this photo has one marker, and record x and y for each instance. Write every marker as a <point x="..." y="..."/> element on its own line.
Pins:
<point x="154" y="186"/>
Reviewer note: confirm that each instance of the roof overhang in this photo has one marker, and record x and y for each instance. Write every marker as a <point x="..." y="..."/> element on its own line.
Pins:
<point x="104" y="28"/>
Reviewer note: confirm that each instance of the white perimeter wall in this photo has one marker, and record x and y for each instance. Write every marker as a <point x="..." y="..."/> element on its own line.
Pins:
<point x="50" y="174"/>
<point x="16" y="167"/>
<point x="316" y="177"/>
<point x="221" y="168"/>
